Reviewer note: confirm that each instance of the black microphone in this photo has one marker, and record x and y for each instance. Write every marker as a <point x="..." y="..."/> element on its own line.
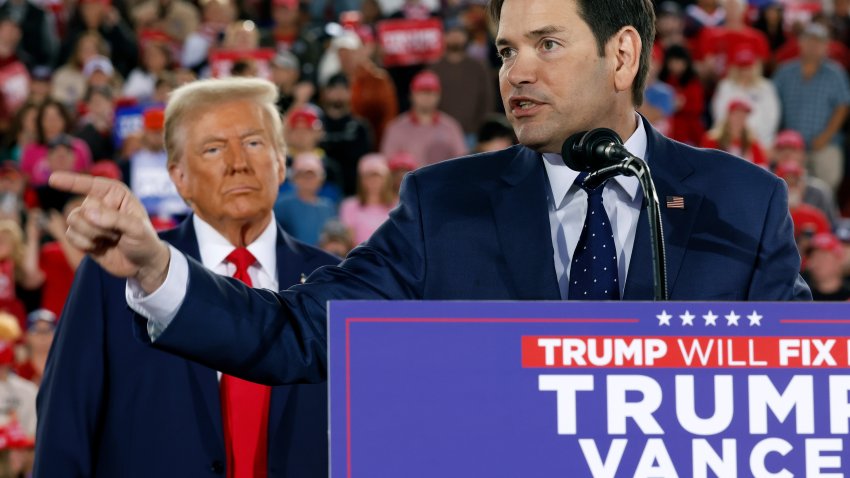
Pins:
<point x="601" y="153"/>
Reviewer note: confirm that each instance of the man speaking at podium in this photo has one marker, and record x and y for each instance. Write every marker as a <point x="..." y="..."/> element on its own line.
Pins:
<point x="510" y="225"/>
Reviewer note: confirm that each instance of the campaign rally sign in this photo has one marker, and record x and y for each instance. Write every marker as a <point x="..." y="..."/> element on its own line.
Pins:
<point x="572" y="389"/>
<point x="410" y="42"/>
<point x="222" y="61"/>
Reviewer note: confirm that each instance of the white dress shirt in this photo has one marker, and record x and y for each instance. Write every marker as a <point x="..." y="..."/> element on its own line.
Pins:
<point x="621" y="196"/>
<point x="162" y="305"/>
<point x="568" y="206"/>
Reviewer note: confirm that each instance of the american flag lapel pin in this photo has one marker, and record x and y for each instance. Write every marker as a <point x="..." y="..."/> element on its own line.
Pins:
<point x="675" y="202"/>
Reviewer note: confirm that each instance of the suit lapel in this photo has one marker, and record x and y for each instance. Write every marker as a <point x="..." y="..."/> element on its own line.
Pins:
<point x="520" y="211"/>
<point x="290" y="265"/>
<point x="183" y="238"/>
<point x="668" y="173"/>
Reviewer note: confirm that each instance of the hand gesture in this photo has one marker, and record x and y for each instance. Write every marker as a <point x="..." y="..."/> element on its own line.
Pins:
<point x="113" y="228"/>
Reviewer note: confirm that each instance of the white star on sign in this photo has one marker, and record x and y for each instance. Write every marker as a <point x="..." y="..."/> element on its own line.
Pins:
<point x="710" y="319"/>
<point x="755" y="319"/>
<point x="687" y="318"/>
<point x="664" y="318"/>
<point x="732" y="319"/>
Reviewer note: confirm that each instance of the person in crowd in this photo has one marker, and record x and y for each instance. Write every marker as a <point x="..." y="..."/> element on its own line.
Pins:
<point x="285" y="74"/>
<point x="69" y="82"/>
<point x="458" y="219"/>
<point x="429" y="134"/>
<point x="839" y="21"/>
<point x="176" y="18"/>
<point x="18" y="269"/>
<point x="101" y="385"/>
<point x="321" y="11"/>
<point x="703" y="14"/>
<point x="100" y="73"/>
<point x="824" y="269"/>
<point x="400" y="164"/>
<point x="155" y="61"/>
<point x="40" y="84"/>
<point x="14" y="76"/>
<point x="771" y="22"/>
<point x="745" y="80"/>
<point x="288" y="33"/>
<point x="303" y="212"/>
<point x="36" y="26"/>
<point x="370" y="208"/>
<point x="679" y="72"/>
<point x="57" y="259"/>
<point x="96" y="126"/>
<point x="659" y="100"/>
<point x="669" y="25"/>
<point x="336" y="239"/>
<point x="791" y="161"/>
<point x="495" y="134"/>
<point x="304" y="132"/>
<point x="216" y="15"/>
<point x="103" y="17"/>
<point x="41" y="325"/>
<point x="733" y="135"/>
<point x="715" y="46"/>
<point x="17" y="405"/>
<point x="815" y="96"/>
<point x="60" y="157"/>
<point x="147" y="171"/>
<point x="347" y="137"/>
<point x="456" y="70"/>
<point x="52" y="121"/>
<point x="22" y="132"/>
<point x="835" y="50"/>
<point x="373" y="94"/>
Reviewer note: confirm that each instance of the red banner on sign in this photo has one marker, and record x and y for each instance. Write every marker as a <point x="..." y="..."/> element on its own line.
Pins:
<point x="410" y="42"/>
<point x="685" y="352"/>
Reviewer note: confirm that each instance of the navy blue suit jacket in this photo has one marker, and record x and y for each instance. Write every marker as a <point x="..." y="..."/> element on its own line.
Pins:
<point x="478" y="228"/>
<point x="111" y="406"/>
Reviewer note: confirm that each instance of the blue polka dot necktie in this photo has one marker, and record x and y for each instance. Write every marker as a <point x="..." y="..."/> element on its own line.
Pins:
<point x="593" y="272"/>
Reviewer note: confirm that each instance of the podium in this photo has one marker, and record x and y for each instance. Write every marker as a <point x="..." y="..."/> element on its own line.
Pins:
<point x="589" y="389"/>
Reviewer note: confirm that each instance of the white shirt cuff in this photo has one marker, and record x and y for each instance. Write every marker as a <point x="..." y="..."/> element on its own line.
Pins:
<point x="160" y="306"/>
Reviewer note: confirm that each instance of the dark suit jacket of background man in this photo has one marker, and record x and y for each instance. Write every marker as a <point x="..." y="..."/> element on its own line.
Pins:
<point x="478" y="228"/>
<point x="110" y="406"/>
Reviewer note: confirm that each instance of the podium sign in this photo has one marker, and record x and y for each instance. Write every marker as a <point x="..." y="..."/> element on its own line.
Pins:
<point x="571" y="389"/>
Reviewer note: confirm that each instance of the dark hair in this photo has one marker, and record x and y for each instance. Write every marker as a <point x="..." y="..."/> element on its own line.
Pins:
<point x="678" y="52"/>
<point x="66" y="116"/>
<point x="607" y="17"/>
<point x="496" y="127"/>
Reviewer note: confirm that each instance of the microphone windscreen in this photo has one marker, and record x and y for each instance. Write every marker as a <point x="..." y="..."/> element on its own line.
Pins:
<point x="573" y="154"/>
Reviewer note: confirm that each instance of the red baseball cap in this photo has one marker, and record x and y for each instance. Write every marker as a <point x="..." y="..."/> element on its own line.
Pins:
<point x="740" y="104"/>
<point x="744" y="56"/>
<point x="403" y="161"/>
<point x="790" y="139"/>
<point x="106" y="169"/>
<point x="809" y="219"/>
<point x="789" y="168"/>
<point x="304" y="117"/>
<point x="827" y="242"/>
<point x="425" y="81"/>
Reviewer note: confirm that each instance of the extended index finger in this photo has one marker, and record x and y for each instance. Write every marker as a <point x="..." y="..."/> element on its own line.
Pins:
<point x="71" y="182"/>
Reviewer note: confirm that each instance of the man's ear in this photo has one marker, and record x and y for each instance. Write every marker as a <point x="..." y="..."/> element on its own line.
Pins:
<point x="281" y="170"/>
<point x="626" y="48"/>
<point x="178" y="176"/>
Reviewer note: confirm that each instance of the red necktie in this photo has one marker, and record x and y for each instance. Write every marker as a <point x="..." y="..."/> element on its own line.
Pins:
<point x="245" y="405"/>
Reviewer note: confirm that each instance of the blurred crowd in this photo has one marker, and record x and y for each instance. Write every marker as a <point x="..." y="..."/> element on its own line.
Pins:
<point x="370" y="90"/>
